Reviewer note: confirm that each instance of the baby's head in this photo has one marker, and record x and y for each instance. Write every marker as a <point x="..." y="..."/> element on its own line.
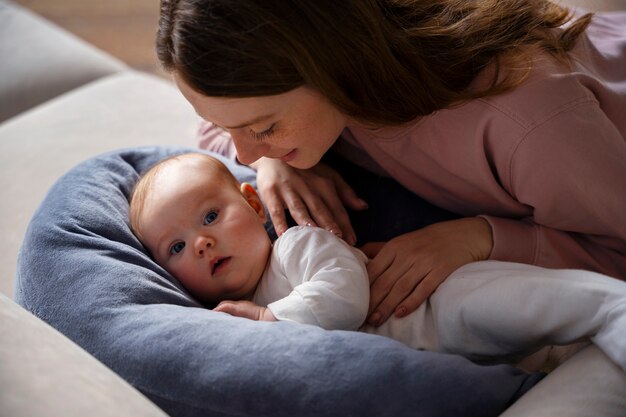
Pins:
<point x="202" y="226"/>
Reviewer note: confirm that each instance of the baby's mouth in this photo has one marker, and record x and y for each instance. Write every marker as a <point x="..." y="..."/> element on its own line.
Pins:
<point x="218" y="264"/>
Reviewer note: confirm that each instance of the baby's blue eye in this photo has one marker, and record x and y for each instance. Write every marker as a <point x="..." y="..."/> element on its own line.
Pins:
<point x="210" y="217"/>
<point x="177" y="248"/>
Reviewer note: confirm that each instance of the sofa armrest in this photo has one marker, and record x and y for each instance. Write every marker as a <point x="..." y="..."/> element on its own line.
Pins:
<point x="43" y="373"/>
<point x="123" y="110"/>
<point x="40" y="60"/>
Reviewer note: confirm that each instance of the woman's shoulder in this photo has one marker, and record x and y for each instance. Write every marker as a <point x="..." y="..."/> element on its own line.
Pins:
<point x="550" y="89"/>
<point x="505" y="118"/>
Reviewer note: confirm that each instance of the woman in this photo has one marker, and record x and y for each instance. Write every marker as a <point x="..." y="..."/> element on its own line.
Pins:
<point x="506" y="112"/>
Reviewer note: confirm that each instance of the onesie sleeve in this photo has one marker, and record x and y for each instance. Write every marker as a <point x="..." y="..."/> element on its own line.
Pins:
<point x="329" y="280"/>
<point x="571" y="170"/>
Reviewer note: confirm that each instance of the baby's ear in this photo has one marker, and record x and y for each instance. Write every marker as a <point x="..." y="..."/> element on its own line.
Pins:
<point x="251" y="196"/>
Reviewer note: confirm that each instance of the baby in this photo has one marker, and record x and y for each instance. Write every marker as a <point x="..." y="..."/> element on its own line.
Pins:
<point x="207" y="230"/>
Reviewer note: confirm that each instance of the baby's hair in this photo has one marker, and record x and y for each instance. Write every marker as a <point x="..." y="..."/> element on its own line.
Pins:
<point x="145" y="184"/>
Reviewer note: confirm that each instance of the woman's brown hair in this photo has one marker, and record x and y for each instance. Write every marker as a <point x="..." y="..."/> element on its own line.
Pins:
<point x="379" y="61"/>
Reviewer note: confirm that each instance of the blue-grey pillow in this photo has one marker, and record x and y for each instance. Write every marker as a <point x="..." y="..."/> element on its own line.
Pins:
<point x="83" y="271"/>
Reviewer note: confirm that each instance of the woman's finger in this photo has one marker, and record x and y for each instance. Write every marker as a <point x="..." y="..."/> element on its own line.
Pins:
<point x="341" y="219"/>
<point x="424" y="289"/>
<point x="299" y="210"/>
<point x="391" y="303"/>
<point x="276" y="210"/>
<point x="381" y="262"/>
<point x="326" y="210"/>
<point x="342" y="197"/>
<point x="327" y="207"/>
<point x="382" y="274"/>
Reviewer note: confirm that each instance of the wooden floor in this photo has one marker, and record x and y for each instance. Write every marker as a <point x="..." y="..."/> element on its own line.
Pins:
<point x="123" y="28"/>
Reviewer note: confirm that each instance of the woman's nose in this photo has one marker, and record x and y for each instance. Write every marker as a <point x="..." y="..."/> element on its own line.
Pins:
<point x="202" y="244"/>
<point x="248" y="150"/>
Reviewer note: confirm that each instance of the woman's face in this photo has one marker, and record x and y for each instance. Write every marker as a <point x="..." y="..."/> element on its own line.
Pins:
<point x="297" y="127"/>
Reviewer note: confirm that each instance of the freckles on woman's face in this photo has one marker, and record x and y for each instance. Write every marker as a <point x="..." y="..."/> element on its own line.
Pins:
<point x="297" y="127"/>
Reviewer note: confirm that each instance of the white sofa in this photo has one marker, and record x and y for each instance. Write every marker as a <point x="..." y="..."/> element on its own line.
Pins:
<point x="61" y="102"/>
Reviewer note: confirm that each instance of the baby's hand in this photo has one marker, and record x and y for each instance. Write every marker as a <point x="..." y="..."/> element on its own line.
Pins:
<point x="245" y="309"/>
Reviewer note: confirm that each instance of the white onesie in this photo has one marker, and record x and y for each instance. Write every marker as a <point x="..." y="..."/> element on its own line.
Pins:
<point x="483" y="310"/>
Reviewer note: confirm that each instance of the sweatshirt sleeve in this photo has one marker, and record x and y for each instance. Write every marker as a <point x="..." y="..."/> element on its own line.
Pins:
<point x="329" y="280"/>
<point x="216" y="139"/>
<point x="571" y="170"/>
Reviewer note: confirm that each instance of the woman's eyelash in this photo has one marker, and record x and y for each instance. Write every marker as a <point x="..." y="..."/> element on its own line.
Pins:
<point x="264" y="134"/>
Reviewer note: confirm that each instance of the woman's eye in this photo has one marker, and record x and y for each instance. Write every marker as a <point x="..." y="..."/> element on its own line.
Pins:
<point x="210" y="217"/>
<point x="177" y="248"/>
<point x="264" y="134"/>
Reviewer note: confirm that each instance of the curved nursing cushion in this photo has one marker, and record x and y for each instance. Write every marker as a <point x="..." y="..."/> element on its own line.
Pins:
<point x="84" y="272"/>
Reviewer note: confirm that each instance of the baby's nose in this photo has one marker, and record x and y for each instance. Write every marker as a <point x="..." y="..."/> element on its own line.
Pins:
<point x="202" y="244"/>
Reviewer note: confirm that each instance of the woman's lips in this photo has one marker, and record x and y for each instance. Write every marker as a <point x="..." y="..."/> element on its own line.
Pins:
<point x="289" y="156"/>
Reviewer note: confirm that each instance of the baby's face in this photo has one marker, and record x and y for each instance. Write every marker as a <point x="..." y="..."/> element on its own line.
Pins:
<point x="206" y="231"/>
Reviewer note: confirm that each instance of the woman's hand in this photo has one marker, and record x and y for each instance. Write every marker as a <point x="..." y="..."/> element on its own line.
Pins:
<point x="405" y="271"/>
<point x="314" y="197"/>
<point x="245" y="309"/>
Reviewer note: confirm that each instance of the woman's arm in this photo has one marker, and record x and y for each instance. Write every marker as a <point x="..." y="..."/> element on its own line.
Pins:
<point x="572" y="172"/>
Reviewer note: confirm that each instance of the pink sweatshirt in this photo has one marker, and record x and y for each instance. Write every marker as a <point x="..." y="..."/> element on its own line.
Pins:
<point x="544" y="164"/>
